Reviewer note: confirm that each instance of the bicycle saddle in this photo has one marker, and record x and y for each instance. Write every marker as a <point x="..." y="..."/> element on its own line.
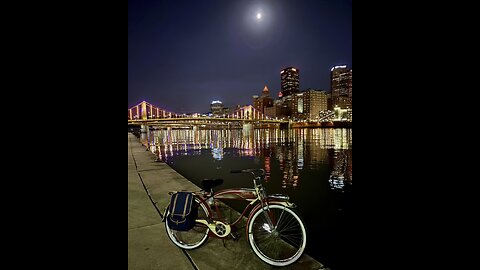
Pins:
<point x="208" y="184"/>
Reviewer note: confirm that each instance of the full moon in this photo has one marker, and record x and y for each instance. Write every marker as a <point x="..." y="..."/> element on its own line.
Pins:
<point x="259" y="16"/>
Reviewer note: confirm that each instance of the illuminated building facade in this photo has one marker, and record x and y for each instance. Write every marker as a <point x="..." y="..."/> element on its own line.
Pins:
<point x="309" y="104"/>
<point x="298" y="106"/>
<point x="316" y="101"/>
<point x="341" y="86"/>
<point x="274" y="111"/>
<point x="217" y="108"/>
<point x="287" y="106"/>
<point x="290" y="81"/>
<point x="264" y="101"/>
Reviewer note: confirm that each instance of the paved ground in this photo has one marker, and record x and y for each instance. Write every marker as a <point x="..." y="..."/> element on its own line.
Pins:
<point x="148" y="244"/>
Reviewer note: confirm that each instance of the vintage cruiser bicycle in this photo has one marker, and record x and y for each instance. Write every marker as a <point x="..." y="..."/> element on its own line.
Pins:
<point x="274" y="230"/>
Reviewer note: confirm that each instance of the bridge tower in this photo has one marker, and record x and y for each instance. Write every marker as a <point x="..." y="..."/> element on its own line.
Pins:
<point x="144" y="110"/>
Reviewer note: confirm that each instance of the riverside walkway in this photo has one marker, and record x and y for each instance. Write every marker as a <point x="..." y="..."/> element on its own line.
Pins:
<point x="148" y="244"/>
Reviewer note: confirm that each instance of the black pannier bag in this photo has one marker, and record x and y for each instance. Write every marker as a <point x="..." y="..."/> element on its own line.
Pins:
<point x="182" y="212"/>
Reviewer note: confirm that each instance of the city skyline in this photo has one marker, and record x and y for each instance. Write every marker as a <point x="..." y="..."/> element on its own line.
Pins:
<point x="181" y="56"/>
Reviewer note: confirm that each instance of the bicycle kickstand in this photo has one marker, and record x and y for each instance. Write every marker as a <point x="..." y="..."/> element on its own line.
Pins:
<point x="223" y="240"/>
<point x="235" y="236"/>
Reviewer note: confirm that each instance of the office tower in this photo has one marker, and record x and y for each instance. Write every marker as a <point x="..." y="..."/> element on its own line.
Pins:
<point x="341" y="86"/>
<point x="290" y="81"/>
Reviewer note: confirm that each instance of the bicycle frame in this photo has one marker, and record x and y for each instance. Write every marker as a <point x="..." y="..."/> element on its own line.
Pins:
<point x="254" y="196"/>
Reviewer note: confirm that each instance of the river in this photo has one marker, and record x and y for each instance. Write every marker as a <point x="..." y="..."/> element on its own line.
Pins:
<point x="311" y="165"/>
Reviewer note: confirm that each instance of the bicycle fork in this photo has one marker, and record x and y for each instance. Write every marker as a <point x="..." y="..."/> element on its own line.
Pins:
<point x="268" y="217"/>
<point x="271" y="219"/>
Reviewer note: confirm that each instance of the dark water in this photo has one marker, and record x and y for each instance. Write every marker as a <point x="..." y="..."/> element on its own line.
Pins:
<point x="312" y="166"/>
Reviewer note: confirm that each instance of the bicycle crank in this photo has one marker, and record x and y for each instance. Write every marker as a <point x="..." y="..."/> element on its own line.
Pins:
<point x="217" y="227"/>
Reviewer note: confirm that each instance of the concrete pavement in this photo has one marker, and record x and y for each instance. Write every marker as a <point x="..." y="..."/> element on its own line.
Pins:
<point x="148" y="244"/>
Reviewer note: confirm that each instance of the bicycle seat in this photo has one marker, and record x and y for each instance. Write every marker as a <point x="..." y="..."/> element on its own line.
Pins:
<point x="208" y="184"/>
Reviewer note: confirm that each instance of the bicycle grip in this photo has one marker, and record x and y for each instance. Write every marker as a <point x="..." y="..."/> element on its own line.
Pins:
<point x="235" y="171"/>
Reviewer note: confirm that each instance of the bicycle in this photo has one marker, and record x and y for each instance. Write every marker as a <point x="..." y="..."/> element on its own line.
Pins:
<point x="275" y="232"/>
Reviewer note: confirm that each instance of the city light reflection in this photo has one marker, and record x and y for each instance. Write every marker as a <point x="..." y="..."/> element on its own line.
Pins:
<point x="291" y="150"/>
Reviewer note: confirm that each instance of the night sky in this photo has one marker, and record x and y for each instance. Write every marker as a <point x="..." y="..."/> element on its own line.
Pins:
<point x="184" y="54"/>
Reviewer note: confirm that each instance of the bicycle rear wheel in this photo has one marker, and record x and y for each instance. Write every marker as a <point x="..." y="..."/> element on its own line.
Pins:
<point x="195" y="237"/>
<point x="282" y="244"/>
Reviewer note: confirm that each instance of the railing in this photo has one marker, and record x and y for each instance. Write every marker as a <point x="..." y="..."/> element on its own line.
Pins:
<point x="203" y="120"/>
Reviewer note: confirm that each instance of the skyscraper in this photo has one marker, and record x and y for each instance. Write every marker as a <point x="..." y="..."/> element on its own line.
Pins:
<point x="315" y="102"/>
<point x="309" y="104"/>
<point x="341" y="86"/>
<point x="217" y="108"/>
<point x="263" y="101"/>
<point x="290" y="81"/>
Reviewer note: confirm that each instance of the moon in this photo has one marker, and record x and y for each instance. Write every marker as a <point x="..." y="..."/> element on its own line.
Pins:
<point x="259" y="15"/>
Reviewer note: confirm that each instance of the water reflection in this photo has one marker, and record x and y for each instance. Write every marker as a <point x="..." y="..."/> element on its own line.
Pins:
<point x="295" y="150"/>
<point x="313" y="166"/>
<point x="341" y="169"/>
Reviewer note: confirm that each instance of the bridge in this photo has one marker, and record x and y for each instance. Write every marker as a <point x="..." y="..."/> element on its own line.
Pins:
<point x="145" y="113"/>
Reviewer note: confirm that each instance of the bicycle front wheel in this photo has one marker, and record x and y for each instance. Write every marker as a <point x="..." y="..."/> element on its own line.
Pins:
<point x="196" y="236"/>
<point x="281" y="243"/>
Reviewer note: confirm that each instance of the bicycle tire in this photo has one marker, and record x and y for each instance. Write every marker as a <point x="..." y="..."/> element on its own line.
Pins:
<point x="282" y="245"/>
<point x="193" y="238"/>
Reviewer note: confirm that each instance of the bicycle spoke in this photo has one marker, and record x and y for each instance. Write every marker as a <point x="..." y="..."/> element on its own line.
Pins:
<point x="271" y="247"/>
<point x="280" y="218"/>
<point x="293" y="240"/>
<point x="267" y="241"/>
<point x="281" y="244"/>
<point x="290" y="228"/>
<point x="289" y="223"/>
<point x="275" y="248"/>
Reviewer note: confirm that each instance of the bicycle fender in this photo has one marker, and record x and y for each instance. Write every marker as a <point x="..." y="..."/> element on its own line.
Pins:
<point x="165" y="213"/>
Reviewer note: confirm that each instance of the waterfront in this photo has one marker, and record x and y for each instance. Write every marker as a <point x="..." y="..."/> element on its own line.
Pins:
<point x="312" y="166"/>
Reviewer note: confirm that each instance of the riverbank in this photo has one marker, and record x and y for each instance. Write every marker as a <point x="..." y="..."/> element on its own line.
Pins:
<point x="148" y="245"/>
